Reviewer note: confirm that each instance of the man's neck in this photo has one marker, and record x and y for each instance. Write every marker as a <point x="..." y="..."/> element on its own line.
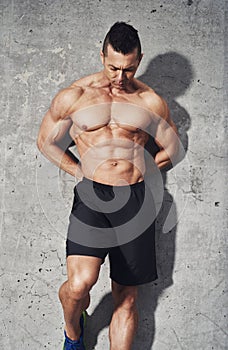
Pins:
<point x="104" y="82"/>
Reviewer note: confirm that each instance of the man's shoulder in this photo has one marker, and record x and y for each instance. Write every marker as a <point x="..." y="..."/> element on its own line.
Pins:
<point x="88" y="81"/>
<point x="153" y="101"/>
<point x="66" y="98"/>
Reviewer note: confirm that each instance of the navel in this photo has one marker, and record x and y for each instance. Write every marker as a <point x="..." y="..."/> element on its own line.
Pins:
<point x="114" y="163"/>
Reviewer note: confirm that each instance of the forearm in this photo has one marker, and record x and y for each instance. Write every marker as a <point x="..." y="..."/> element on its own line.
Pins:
<point x="65" y="160"/>
<point x="162" y="160"/>
<point x="169" y="156"/>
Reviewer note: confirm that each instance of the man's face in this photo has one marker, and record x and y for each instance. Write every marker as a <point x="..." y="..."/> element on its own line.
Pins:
<point x="119" y="68"/>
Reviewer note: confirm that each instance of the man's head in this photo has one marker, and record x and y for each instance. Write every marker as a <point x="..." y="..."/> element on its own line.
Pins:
<point x="123" y="38"/>
<point x="121" y="54"/>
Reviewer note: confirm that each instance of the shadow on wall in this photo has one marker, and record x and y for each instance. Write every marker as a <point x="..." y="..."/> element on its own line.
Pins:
<point x="170" y="75"/>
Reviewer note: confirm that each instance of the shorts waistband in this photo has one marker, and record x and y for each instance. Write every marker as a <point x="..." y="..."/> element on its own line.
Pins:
<point x="106" y="187"/>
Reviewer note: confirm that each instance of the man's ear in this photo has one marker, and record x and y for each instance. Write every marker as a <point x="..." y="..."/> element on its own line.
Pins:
<point x="141" y="56"/>
<point x="102" y="56"/>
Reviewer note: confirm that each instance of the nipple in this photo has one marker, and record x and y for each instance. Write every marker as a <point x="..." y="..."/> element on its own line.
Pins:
<point x="84" y="127"/>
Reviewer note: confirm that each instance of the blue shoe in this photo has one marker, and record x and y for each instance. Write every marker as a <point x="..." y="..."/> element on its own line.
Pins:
<point x="76" y="344"/>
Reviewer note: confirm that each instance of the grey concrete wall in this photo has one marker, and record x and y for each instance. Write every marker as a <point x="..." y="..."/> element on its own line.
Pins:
<point x="45" y="45"/>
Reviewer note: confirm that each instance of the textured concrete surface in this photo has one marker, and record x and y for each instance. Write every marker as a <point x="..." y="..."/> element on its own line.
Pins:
<point x="45" y="45"/>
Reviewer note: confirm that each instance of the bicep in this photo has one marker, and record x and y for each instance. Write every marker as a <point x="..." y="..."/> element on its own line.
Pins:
<point x="56" y="121"/>
<point x="52" y="129"/>
<point x="166" y="131"/>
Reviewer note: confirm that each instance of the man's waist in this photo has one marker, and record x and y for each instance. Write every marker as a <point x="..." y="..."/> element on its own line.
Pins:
<point x="106" y="186"/>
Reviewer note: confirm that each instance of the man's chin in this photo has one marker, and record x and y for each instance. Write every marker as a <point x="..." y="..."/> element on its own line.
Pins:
<point x="119" y="86"/>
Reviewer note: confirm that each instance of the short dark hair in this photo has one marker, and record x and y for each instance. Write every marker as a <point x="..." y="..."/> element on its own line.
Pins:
<point x="123" y="38"/>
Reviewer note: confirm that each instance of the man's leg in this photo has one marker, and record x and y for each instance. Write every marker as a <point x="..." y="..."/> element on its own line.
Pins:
<point x="82" y="273"/>
<point x="125" y="317"/>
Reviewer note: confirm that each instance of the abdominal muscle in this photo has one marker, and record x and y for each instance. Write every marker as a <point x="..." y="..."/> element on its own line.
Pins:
<point x="116" y="172"/>
<point x="112" y="159"/>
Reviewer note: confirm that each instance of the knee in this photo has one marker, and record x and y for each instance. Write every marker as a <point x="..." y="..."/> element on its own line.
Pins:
<point x="126" y="298"/>
<point x="128" y="303"/>
<point x="79" y="287"/>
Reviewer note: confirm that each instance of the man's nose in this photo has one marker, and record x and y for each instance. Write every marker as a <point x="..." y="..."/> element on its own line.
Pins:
<point x="120" y="75"/>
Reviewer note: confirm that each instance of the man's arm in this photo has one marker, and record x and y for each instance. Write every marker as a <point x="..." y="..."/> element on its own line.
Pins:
<point x="54" y="126"/>
<point x="165" y="134"/>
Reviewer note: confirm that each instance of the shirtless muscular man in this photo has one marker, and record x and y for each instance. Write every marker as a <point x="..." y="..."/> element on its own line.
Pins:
<point x="109" y="115"/>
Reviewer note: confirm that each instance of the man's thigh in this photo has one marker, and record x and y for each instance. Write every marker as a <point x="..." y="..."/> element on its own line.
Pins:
<point x="134" y="263"/>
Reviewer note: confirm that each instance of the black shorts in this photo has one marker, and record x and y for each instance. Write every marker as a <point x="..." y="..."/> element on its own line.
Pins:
<point x="118" y="221"/>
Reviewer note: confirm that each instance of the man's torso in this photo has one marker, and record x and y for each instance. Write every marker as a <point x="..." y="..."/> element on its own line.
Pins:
<point x="109" y="131"/>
